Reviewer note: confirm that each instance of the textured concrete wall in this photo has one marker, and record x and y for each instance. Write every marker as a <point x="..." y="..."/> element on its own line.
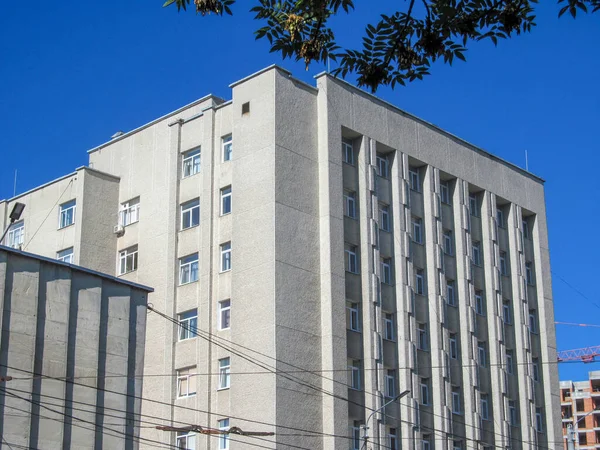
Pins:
<point x="61" y="323"/>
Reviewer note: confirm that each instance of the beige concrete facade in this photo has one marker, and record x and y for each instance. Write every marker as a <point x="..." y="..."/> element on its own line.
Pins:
<point x="85" y="332"/>
<point x="296" y="308"/>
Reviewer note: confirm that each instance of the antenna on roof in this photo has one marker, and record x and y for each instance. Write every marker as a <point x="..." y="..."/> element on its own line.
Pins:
<point x="15" y="185"/>
<point x="526" y="162"/>
<point x="117" y="134"/>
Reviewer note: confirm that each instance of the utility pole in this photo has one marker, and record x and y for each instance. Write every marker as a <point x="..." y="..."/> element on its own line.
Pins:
<point x="366" y="425"/>
<point x="570" y="437"/>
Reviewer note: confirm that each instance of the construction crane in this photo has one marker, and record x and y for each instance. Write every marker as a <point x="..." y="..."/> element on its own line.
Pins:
<point x="586" y="354"/>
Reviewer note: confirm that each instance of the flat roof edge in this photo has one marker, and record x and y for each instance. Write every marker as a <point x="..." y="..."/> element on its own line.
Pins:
<point x="75" y="267"/>
<point x="429" y="124"/>
<point x="260" y="72"/>
<point x="37" y="188"/>
<point x="155" y="121"/>
<point x="91" y="169"/>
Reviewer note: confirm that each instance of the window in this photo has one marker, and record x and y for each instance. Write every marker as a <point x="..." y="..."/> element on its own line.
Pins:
<point x="450" y="293"/>
<point x="424" y="391"/>
<point x="190" y="214"/>
<point x="383" y="166"/>
<point x="525" y="226"/>
<point x="414" y="178"/>
<point x="506" y="312"/>
<point x="224" y="373"/>
<point x="388" y="326"/>
<point x="16" y="234"/>
<point x="535" y="369"/>
<point x="347" y="152"/>
<point x="448" y="242"/>
<point x="500" y="218"/>
<point x="226" y="200"/>
<point x="485" y="409"/>
<point x="393" y="439"/>
<point x="456" y="409"/>
<point x="445" y="192"/>
<point x="503" y="266"/>
<point x="453" y="347"/>
<point x="224" y="438"/>
<point x="420" y="282"/>
<point x="384" y="217"/>
<point x="227" y="143"/>
<point x="186" y="382"/>
<point x="188" y="322"/>
<point x="354" y="372"/>
<point x="355" y="431"/>
<point x="351" y="259"/>
<point x="224" y="314"/>
<point x="225" y="256"/>
<point x="509" y="361"/>
<point x="422" y="333"/>
<point x="532" y="321"/>
<point x="473" y="205"/>
<point x="482" y="354"/>
<point x="476" y="253"/>
<point x="65" y="255"/>
<point x="350" y="204"/>
<point x="457" y="445"/>
<point x="130" y="212"/>
<point x="186" y="440"/>
<point x="128" y="260"/>
<point x="188" y="269"/>
<point x="539" y="420"/>
<point x="512" y="413"/>
<point x="425" y="445"/>
<point x="390" y="383"/>
<point x="353" y="316"/>
<point x="386" y="270"/>
<point x="67" y="214"/>
<point x="191" y="163"/>
<point x="417" y="229"/>
<point x="529" y="273"/>
<point x="479" y="309"/>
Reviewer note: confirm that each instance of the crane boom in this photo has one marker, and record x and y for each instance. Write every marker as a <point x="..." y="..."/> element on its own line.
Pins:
<point x="586" y="354"/>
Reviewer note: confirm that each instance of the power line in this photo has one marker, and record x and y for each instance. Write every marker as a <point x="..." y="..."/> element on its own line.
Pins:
<point x="578" y="324"/>
<point x="9" y="446"/>
<point x="576" y="290"/>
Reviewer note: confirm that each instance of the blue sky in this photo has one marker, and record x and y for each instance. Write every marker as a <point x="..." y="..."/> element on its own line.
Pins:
<point x="73" y="73"/>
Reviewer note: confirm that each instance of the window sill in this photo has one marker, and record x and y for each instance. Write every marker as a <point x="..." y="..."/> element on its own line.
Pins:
<point x="186" y="396"/>
<point x="355" y="331"/>
<point x="66" y="226"/>
<point x="354" y="389"/>
<point x="189" y="228"/>
<point x="223" y="388"/>
<point x="225" y="214"/>
<point x="349" y="163"/>
<point x="350" y="217"/>
<point x="353" y="273"/>
<point x="384" y="230"/>
<point x="187" y="339"/>
<point x="125" y="273"/>
<point x="190" y="176"/>
<point x="189" y="282"/>
<point x="225" y="271"/>
<point x="389" y="340"/>
<point x="415" y="190"/>
<point x="129" y="224"/>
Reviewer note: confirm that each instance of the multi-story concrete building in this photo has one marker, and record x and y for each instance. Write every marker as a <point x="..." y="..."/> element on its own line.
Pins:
<point x="85" y="332"/>
<point x="355" y="252"/>
<point x="580" y="408"/>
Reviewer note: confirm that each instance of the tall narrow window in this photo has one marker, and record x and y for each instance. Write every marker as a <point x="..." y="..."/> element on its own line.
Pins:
<point x="225" y="256"/>
<point x="525" y="226"/>
<point x="456" y="408"/>
<point x="539" y="420"/>
<point x="225" y="200"/>
<point x="420" y="282"/>
<point x="500" y="218"/>
<point x="450" y="293"/>
<point x="414" y="179"/>
<point x="388" y="327"/>
<point x="188" y="269"/>
<point x="353" y="316"/>
<point x="509" y="361"/>
<point x="503" y="264"/>
<point x="384" y="217"/>
<point x="386" y="270"/>
<point x="532" y="321"/>
<point x="186" y="382"/>
<point x="445" y="192"/>
<point x="485" y="410"/>
<point x="128" y="260"/>
<point x="347" y="152"/>
<point x="424" y="391"/>
<point x="473" y="205"/>
<point x="393" y="439"/>
<point x="65" y="255"/>
<point x="453" y="347"/>
<point x="422" y="342"/>
<point x="67" y="214"/>
<point x="355" y="435"/>
<point x="224" y="373"/>
<point x="190" y="214"/>
<point x="129" y="212"/>
<point x="227" y="144"/>
<point x="383" y="169"/>
<point x="191" y="163"/>
<point x="512" y="413"/>
<point x="16" y="234"/>
<point x="188" y="323"/>
<point x="350" y="204"/>
<point x="529" y="273"/>
<point x="417" y="228"/>
<point x="186" y="440"/>
<point x="425" y="445"/>
<point x="482" y="354"/>
<point x="351" y="258"/>
<point x="224" y="314"/>
<point x="476" y="253"/>
<point x="479" y="308"/>
<point x="224" y="438"/>
<point x="535" y="369"/>
<point x="390" y="383"/>
<point x="448" y="242"/>
<point x="506" y="311"/>
<point x="354" y="373"/>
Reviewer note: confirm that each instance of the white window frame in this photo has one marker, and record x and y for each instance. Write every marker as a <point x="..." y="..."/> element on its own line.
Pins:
<point x="473" y="205"/>
<point x="351" y="258"/>
<point x="425" y="445"/>
<point x="485" y="407"/>
<point x="224" y="313"/>
<point x="188" y="269"/>
<point x="185" y="378"/>
<point x="126" y="255"/>
<point x="16" y="234"/>
<point x="423" y="341"/>
<point x="417" y="230"/>
<point x="384" y="217"/>
<point x="129" y="212"/>
<point x="188" y="324"/>
<point x="503" y="264"/>
<point x="476" y="253"/>
<point x="348" y="152"/>
<point x="424" y="393"/>
<point x="188" y="210"/>
<point x="227" y="147"/>
<point x="512" y="414"/>
<point x="390" y="383"/>
<point x="533" y="321"/>
<point x="414" y="179"/>
<point x="65" y="257"/>
<point x="509" y="362"/>
<point x="355" y="378"/>
<point x="453" y="347"/>
<point x="66" y="214"/>
<point x="224" y="374"/>
<point x="226" y="257"/>
<point x="450" y="293"/>
<point x="353" y="315"/>
<point x="479" y="306"/>
<point x="350" y="204"/>
<point x="393" y="439"/>
<point x="456" y="406"/>
<point x="191" y="160"/>
<point x="448" y="247"/>
<point x="223" y="425"/>
<point x="356" y="439"/>
<point x="389" y="327"/>
<point x="420" y="281"/>
<point x="482" y="354"/>
<point x="226" y="200"/>
<point x="386" y="270"/>
<point x="539" y="420"/>
<point x="383" y="165"/>
<point x="529" y="273"/>
<point x="185" y="440"/>
<point x="445" y="192"/>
